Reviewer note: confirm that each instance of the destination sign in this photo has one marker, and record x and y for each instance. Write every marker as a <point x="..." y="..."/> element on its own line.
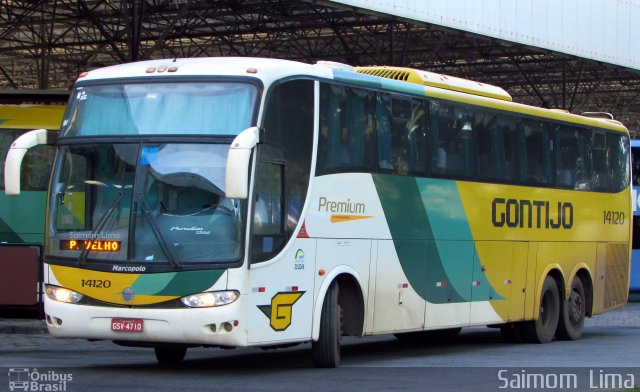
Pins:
<point x="91" y="245"/>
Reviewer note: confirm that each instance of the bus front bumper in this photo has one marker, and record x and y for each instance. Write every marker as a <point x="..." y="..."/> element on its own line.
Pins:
<point x="215" y="326"/>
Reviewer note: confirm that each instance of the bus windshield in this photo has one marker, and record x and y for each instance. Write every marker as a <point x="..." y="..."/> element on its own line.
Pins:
<point x="160" y="109"/>
<point x="155" y="202"/>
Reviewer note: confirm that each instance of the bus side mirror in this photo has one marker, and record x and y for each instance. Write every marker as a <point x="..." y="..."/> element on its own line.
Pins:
<point x="17" y="151"/>
<point x="238" y="160"/>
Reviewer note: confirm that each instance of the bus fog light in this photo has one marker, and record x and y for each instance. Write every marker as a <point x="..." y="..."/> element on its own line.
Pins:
<point x="61" y="294"/>
<point x="210" y="299"/>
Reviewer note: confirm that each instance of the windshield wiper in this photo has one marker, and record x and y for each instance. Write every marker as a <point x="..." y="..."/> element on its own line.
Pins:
<point x="146" y="211"/>
<point x="102" y="222"/>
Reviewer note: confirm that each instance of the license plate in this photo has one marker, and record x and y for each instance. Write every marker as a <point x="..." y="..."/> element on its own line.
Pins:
<point x="127" y="325"/>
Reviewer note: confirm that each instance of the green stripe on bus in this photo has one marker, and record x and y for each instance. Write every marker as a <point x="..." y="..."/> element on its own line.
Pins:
<point x="176" y="283"/>
<point x="151" y="284"/>
<point x="413" y="237"/>
<point x="432" y="237"/>
<point x="455" y="241"/>
<point x="190" y="282"/>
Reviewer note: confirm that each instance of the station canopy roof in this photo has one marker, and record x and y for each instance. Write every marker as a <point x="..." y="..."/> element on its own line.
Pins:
<point x="46" y="44"/>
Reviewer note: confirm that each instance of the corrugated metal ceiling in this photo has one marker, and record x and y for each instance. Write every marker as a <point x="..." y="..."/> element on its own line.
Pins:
<point x="45" y="44"/>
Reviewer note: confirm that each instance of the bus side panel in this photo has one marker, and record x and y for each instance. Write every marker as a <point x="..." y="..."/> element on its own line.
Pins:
<point x="598" y="286"/>
<point x="505" y="264"/>
<point x="370" y="300"/>
<point x="282" y="295"/>
<point x="612" y="285"/>
<point x="342" y="256"/>
<point x="531" y="282"/>
<point x="612" y="277"/>
<point x="397" y="305"/>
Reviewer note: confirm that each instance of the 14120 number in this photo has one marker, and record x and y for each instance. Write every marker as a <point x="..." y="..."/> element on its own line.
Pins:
<point x="613" y="217"/>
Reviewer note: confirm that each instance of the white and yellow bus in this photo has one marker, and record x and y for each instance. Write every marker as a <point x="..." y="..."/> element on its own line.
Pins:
<point x="258" y="202"/>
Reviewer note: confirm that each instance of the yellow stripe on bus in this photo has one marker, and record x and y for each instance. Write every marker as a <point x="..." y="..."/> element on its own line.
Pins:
<point x="338" y="218"/>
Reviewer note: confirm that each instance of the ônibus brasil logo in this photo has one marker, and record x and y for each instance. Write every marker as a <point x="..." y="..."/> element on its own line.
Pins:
<point x="23" y="379"/>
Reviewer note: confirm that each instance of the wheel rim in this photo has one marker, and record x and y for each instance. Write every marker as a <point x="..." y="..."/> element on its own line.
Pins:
<point x="545" y="307"/>
<point x="576" y="308"/>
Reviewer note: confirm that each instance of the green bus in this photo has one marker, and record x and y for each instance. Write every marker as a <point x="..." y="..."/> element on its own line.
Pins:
<point x="22" y="218"/>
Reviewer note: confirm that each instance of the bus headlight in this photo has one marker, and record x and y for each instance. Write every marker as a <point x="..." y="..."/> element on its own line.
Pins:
<point x="209" y="299"/>
<point x="61" y="294"/>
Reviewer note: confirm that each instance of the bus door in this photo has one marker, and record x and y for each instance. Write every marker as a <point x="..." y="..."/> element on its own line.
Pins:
<point x="281" y="268"/>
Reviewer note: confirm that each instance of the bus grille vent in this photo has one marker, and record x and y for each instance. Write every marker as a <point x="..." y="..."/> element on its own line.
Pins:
<point x="616" y="275"/>
<point x="386" y="73"/>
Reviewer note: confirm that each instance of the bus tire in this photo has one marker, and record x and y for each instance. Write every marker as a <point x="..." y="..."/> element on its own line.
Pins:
<point x="170" y="355"/>
<point x="544" y="328"/>
<point x="326" y="351"/>
<point x="573" y="313"/>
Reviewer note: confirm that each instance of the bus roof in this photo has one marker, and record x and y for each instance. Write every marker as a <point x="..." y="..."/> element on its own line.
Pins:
<point x="264" y="69"/>
<point x="437" y="80"/>
<point x="390" y="78"/>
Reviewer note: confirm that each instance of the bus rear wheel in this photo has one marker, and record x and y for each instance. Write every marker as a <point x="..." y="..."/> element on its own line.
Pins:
<point x="326" y="351"/>
<point x="573" y="313"/>
<point x="544" y="328"/>
<point x="170" y="355"/>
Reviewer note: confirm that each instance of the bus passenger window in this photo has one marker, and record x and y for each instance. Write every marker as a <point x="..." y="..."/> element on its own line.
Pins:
<point x="600" y="177"/>
<point x="400" y="116"/>
<point x="496" y="146"/>
<point x="346" y="128"/>
<point x="383" y="131"/>
<point x="566" y="156"/>
<point x="452" y="130"/>
<point x="402" y="144"/>
<point x="583" y="180"/>
<point x="535" y="158"/>
<point x="417" y="138"/>
<point x="618" y="151"/>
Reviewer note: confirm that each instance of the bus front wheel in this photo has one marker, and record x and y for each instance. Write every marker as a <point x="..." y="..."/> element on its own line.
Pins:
<point x="573" y="313"/>
<point x="170" y="355"/>
<point x="544" y="328"/>
<point x="326" y="351"/>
